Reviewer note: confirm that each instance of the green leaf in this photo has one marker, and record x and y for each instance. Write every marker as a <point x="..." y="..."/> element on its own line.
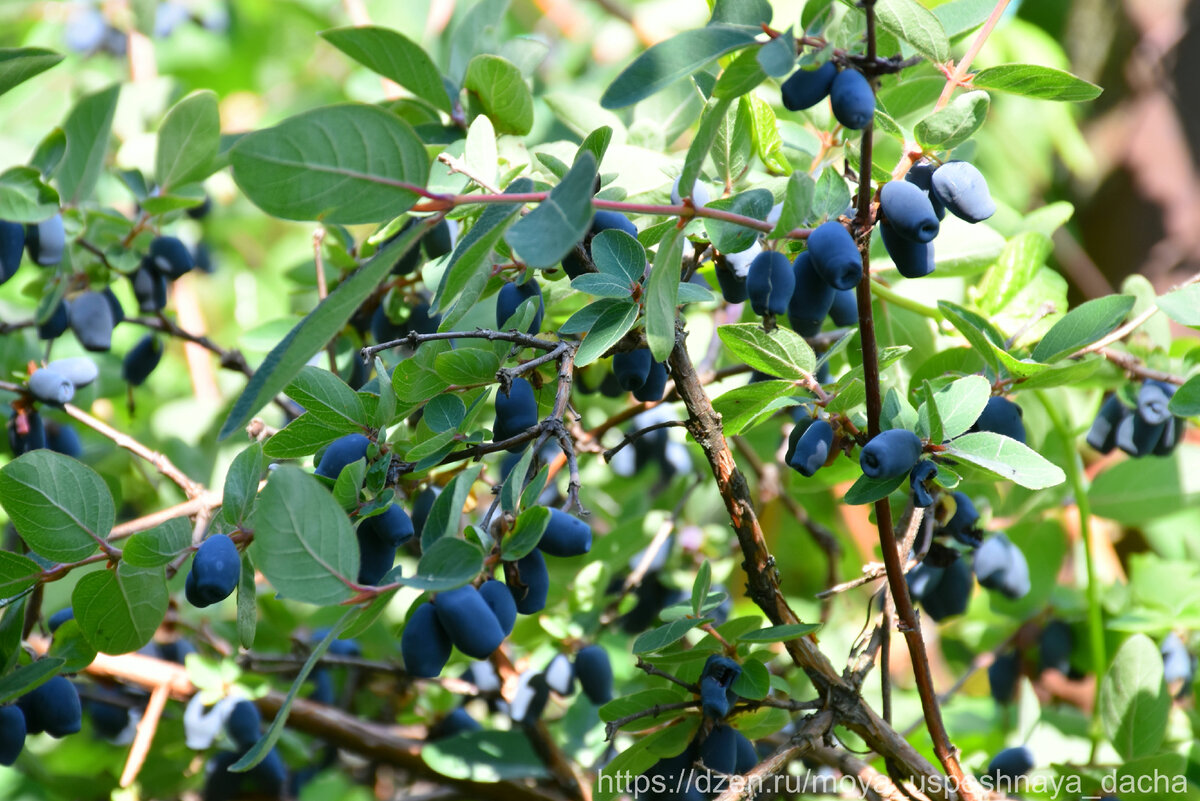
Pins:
<point x="960" y="403"/>
<point x="484" y="756"/>
<point x="29" y="677"/>
<point x="328" y="399"/>
<point x="158" y="546"/>
<point x="301" y="437"/>
<point x="754" y="682"/>
<point x="468" y="366"/>
<point x="19" y="64"/>
<point x="394" y="56"/>
<point x="778" y="56"/>
<point x="1082" y="326"/>
<point x="303" y="542"/>
<point x="119" y="610"/>
<point x="288" y="358"/>
<point x="670" y="60"/>
<point x="1022" y="257"/>
<point x="1032" y="80"/>
<point x="911" y="22"/>
<point x="347" y="163"/>
<point x="642" y="754"/>
<point x="729" y="237"/>
<point x="87" y="129"/>
<point x="741" y="76"/>
<point x="1006" y="458"/>
<point x="501" y="92"/>
<point x="868" y="490"/>
<point x="1134" y="702"/>
<point x="965" y="321"/>
<point x="527" y="531"/>
<point x="612" y="324"/>
<point x="24" y="197"/>
<point x="830" y="198"/>
<point x="447" y="563"/>
<point x="17" y="574"/>
<point x="1186" y="400"/>
<point x="188" y="141"/>
<point x="797" y="203"/>
<point x="444" y="413"/>
<point x="471" y="256"/>
<point x="712" y="118"/>
<point x="265" y="743"/>
<point x="741" y="408"/>
<point x="61" y="508"/>
<point x="783" y="633"/>
<point x="510" y="493"/>
<point x="733" y="145"/>
<point x="241" y="483"/>
<point x="659" y="638"/>
<point x="444" y="517"/>
<point x="548" y="233"/>
<point x="947" y="128"/>
<point x="1182" y="305"/>
<point x="641" y="701"/>
<point x="662" y="295"/>
<point x="247" y="603"/>
<point x="700" y="587"/>
<point x="753" y="13"/>
<point x="780" y="353"/>
<point x="596" y="143"/>
<point x="1137" y="490"/>
<point x="617" y="254"/>
<point x="70" y="645"/>
<point x="49" y="152"/>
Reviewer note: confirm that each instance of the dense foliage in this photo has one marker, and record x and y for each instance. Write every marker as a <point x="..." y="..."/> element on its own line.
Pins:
<point x="421" y="414"/>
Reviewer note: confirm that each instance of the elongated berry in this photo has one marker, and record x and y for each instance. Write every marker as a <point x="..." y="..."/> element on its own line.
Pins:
<point x="341" y="452"/>
<point x="770" y="283"/>
<point x="1153" y="398"/>
<point x="46" y="241"/>
<point x="852" y="99"/>
<point x="1000" y="565"/>
<point x="655" y="385"/>
<point x="529" y="583"/>
<point x="890" y="453"/>
<point x="964" y="191"/>
<point x="501" y="602"/>
<point x="812" y="449"/>
<point x="912" y="259"/>
<point x="12" y="244"/>
<point x="394" y="526"/>
<point x="560" y="675"/>
<point x="811" y="300"/>
<point x="26" y="432"/>
<point x="424" y="645"/>
<point x="632" y="368"/>
<point x="804" y="88"/>
<point x="149" y="287"/>
<point x="56" y="324"/>
<point x="922" y="472"/>
<point x="908" y="211"/>
<point x="511" y="296"/>
<point x="12" y="734"/>
<point x="215" y="571"/>
<point x="469" y="621"/>
<point x="962" y="524"/>
<point x="594" y="671"/>
<point x="515" y="412"/>
<point x="52" y="708"/>
<point x="1009" y="765"/>
<point x="1001" y="416"/>
<point x="951" y="595"/>
<point x="171" y="257"/>
<point x="1003" y="674"/>
<point x="91" y="318"/>
<point x="565" y="535"/>
<point x="79" y="370"/>
<point x="719" y="749"/>
<point x="844" y="311"/>
<point x="50" y="386"/>
<point x="733" y="286"/>
<point x="375" y="557"/>
<point x="141" y="360"/>
<point x="441" y="239"/>
<point x="921" y="175"/>
<point x="835" y="256"/>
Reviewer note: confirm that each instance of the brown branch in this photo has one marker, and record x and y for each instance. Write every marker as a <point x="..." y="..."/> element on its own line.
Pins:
<point x="611" y="728"/>
<point x="370" y="740"/>
<point x="763" y="585"/>
<point x="635" y="435"/>
<point x="160" y="462"/>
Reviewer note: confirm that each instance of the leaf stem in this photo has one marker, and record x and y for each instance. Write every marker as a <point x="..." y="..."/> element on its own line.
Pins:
<point x="1095" y="612"/>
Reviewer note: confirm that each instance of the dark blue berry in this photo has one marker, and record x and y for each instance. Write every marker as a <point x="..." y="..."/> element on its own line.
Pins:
<point x="805" y="88"/>
<point x="964" y="191"/>
<point x="425" y="646"/>
<point x="835" y="256"/>
<point x="770" y="282"/>
<point x="852" y="99"/>
<point x="890" y="454"/>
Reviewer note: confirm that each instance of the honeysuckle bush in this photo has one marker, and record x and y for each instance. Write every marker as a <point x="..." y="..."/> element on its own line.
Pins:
<point x="361" y="236"/>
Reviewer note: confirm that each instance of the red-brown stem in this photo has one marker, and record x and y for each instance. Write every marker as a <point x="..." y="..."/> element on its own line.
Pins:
<point x="892" y="558"/>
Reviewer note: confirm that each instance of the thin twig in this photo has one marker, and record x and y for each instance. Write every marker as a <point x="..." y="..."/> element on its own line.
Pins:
<point x="641" y="432"/>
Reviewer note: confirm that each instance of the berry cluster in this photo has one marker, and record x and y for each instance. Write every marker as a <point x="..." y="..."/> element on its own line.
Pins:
<point x="1148" y="429"/>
